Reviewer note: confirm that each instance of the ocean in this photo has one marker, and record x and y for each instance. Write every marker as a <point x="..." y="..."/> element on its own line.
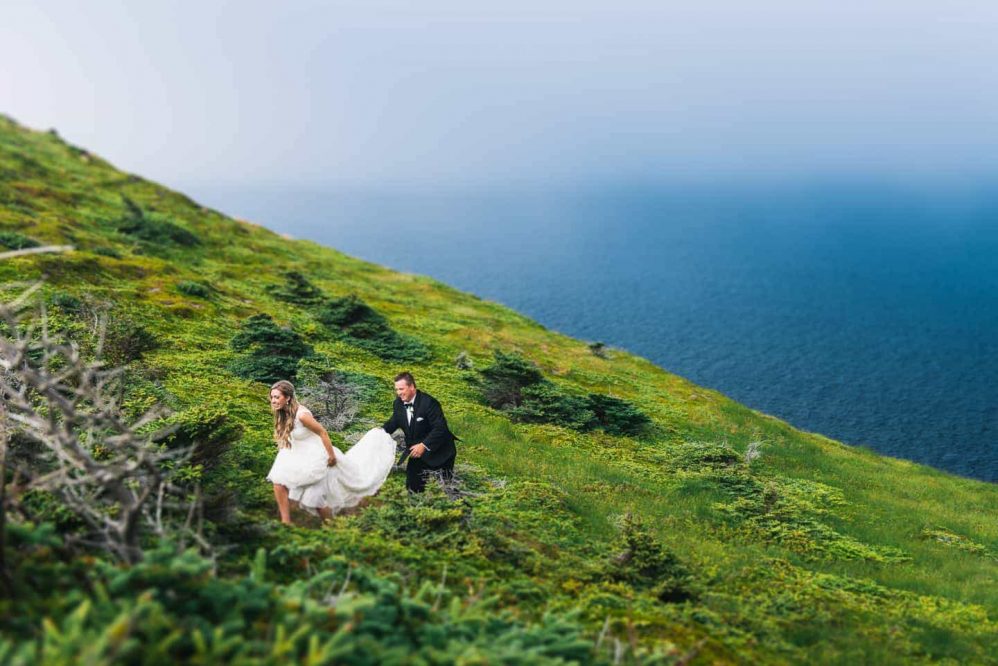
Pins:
<point x="867" y="313"/>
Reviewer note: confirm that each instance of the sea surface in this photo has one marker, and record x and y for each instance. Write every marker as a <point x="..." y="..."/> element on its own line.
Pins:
<point x="865" y="313"/>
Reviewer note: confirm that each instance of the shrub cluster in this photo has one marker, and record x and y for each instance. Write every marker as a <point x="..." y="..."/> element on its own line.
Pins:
<point x="207" y="432"/>
<point x="517" y="386"/>
<point x="106" y="251"/>
<point x="195" y="289"/>
<point x="66" y="302"/>
<point x="544" y="402"/>
<point x="599" y="350"/>
<point x="125" y="341"/>
<point x="15" y="241"/>
<point x="171" y="609"/>
<point x="360" y="324"/>
<point x="269" y="352"/>
<point x="153" y="229"/>
<point x="617" y="416"/>
<point x="298" y="290"/>
<point x="645" y="563"/>
<point x="351" y="319"/>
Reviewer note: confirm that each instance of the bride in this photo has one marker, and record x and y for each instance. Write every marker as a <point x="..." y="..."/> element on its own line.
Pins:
<point x="312" y="472"/>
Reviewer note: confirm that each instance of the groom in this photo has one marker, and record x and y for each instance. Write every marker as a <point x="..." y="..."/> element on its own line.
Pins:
<point x="430" y="441"/>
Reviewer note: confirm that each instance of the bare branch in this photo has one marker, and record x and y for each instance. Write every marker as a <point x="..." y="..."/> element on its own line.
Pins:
<point x="107" y="469"/>
<point x="35" y="250"/>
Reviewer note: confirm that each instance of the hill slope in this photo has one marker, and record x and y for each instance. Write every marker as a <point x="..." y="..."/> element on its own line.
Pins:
<point x="712" y="533"/>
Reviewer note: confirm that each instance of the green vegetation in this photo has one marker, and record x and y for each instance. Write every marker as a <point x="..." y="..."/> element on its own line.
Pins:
<point x="154" y="230"/>
<point x="604" y="510"/>
<point x="270" y="352"/>
<point x="195" y="289"/>
<point x="359" y="324"/>
<point x="15" y="241"/>
<point x="299" y="290"/>
<point x="514" y="384"/>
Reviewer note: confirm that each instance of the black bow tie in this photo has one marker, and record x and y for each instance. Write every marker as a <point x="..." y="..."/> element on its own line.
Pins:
<point x="407" y="405"/>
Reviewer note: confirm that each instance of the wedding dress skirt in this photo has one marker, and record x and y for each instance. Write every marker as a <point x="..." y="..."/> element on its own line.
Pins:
<point x="357" y="473"/>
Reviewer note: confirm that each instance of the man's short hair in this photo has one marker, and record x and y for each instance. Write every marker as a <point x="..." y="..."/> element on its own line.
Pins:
<point x="407" y="376"/>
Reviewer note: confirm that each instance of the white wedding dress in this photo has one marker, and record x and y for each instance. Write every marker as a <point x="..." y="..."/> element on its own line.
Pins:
<point x="357" y="473"/>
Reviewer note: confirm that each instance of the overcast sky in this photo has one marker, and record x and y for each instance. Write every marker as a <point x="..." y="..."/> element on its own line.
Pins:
<point x="372" y="93"/>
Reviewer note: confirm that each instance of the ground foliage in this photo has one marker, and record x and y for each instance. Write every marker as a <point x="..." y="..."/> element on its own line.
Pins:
<point x="361" y="325"/>
<point x="269" y="352"/>
<point x="514" y="384"/>
<point x="604" y="510"/>
<point x="15" y="241"/>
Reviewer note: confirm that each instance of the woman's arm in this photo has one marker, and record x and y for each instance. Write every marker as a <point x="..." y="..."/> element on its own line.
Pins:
<point x="309" y="422"/>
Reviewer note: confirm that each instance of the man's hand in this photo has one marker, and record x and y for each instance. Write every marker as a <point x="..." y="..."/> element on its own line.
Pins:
<point x="417" y="450"/>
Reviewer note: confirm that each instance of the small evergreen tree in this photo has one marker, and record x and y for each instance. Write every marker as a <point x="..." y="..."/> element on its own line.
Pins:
<point x="503" y="381"/>
<point x="645" y="563"/>
<point x="270" y="352"/>
<point x="544" y="402"/>
<point x="360" y="324"/>
<point x="153" y="229"/>
<point x="195" y="289"/>
<point x="616" y="416"/>
<point x="126" y="340"/>
<point x="15" y="241"/>
<point x="298" y="290"/>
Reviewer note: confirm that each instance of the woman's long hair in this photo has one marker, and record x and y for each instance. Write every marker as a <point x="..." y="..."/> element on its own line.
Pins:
<point x="284" y="418"/>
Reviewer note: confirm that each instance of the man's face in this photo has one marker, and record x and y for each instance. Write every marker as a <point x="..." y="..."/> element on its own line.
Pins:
<point x="405" y="390"/>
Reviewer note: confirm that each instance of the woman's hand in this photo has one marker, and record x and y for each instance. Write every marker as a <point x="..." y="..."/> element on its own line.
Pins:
<point x="309" y="422"/>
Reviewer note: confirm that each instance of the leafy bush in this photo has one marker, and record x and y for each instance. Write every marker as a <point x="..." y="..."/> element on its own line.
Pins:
<point x="15" y="241"/>
<point x="270" y="352"/>
<point x="360" y="324"/>
<point x="195" y="289"/>
<point x="616" y="416"/>
<point x="154" y="229"/>
<point x="298" y="290"/>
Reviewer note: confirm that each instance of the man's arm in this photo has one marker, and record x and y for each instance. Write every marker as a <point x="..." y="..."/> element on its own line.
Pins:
<point x="439" y="432"/>
<point x="392" y="424"/>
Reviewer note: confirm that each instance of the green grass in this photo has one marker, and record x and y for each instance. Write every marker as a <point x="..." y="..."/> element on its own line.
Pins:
<point x="783" y="578"/>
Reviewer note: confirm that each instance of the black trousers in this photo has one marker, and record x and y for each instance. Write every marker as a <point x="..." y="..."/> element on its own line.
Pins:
<point x="416" y="472"/>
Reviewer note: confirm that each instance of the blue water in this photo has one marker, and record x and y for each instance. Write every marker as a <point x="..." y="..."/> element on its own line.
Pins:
<point x="868" y="314"/>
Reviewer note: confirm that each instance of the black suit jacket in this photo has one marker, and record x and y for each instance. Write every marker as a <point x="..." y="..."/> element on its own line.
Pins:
<point x="428" y="427"/>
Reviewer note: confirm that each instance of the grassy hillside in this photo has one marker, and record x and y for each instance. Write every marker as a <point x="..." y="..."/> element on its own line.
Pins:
<point x="712" y="534"/>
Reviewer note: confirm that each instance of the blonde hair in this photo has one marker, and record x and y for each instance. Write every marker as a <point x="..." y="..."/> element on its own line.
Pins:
<point x="284" y="418"/>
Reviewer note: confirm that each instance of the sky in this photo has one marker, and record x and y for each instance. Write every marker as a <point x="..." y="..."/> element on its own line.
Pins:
<point x="378" y="93"/>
